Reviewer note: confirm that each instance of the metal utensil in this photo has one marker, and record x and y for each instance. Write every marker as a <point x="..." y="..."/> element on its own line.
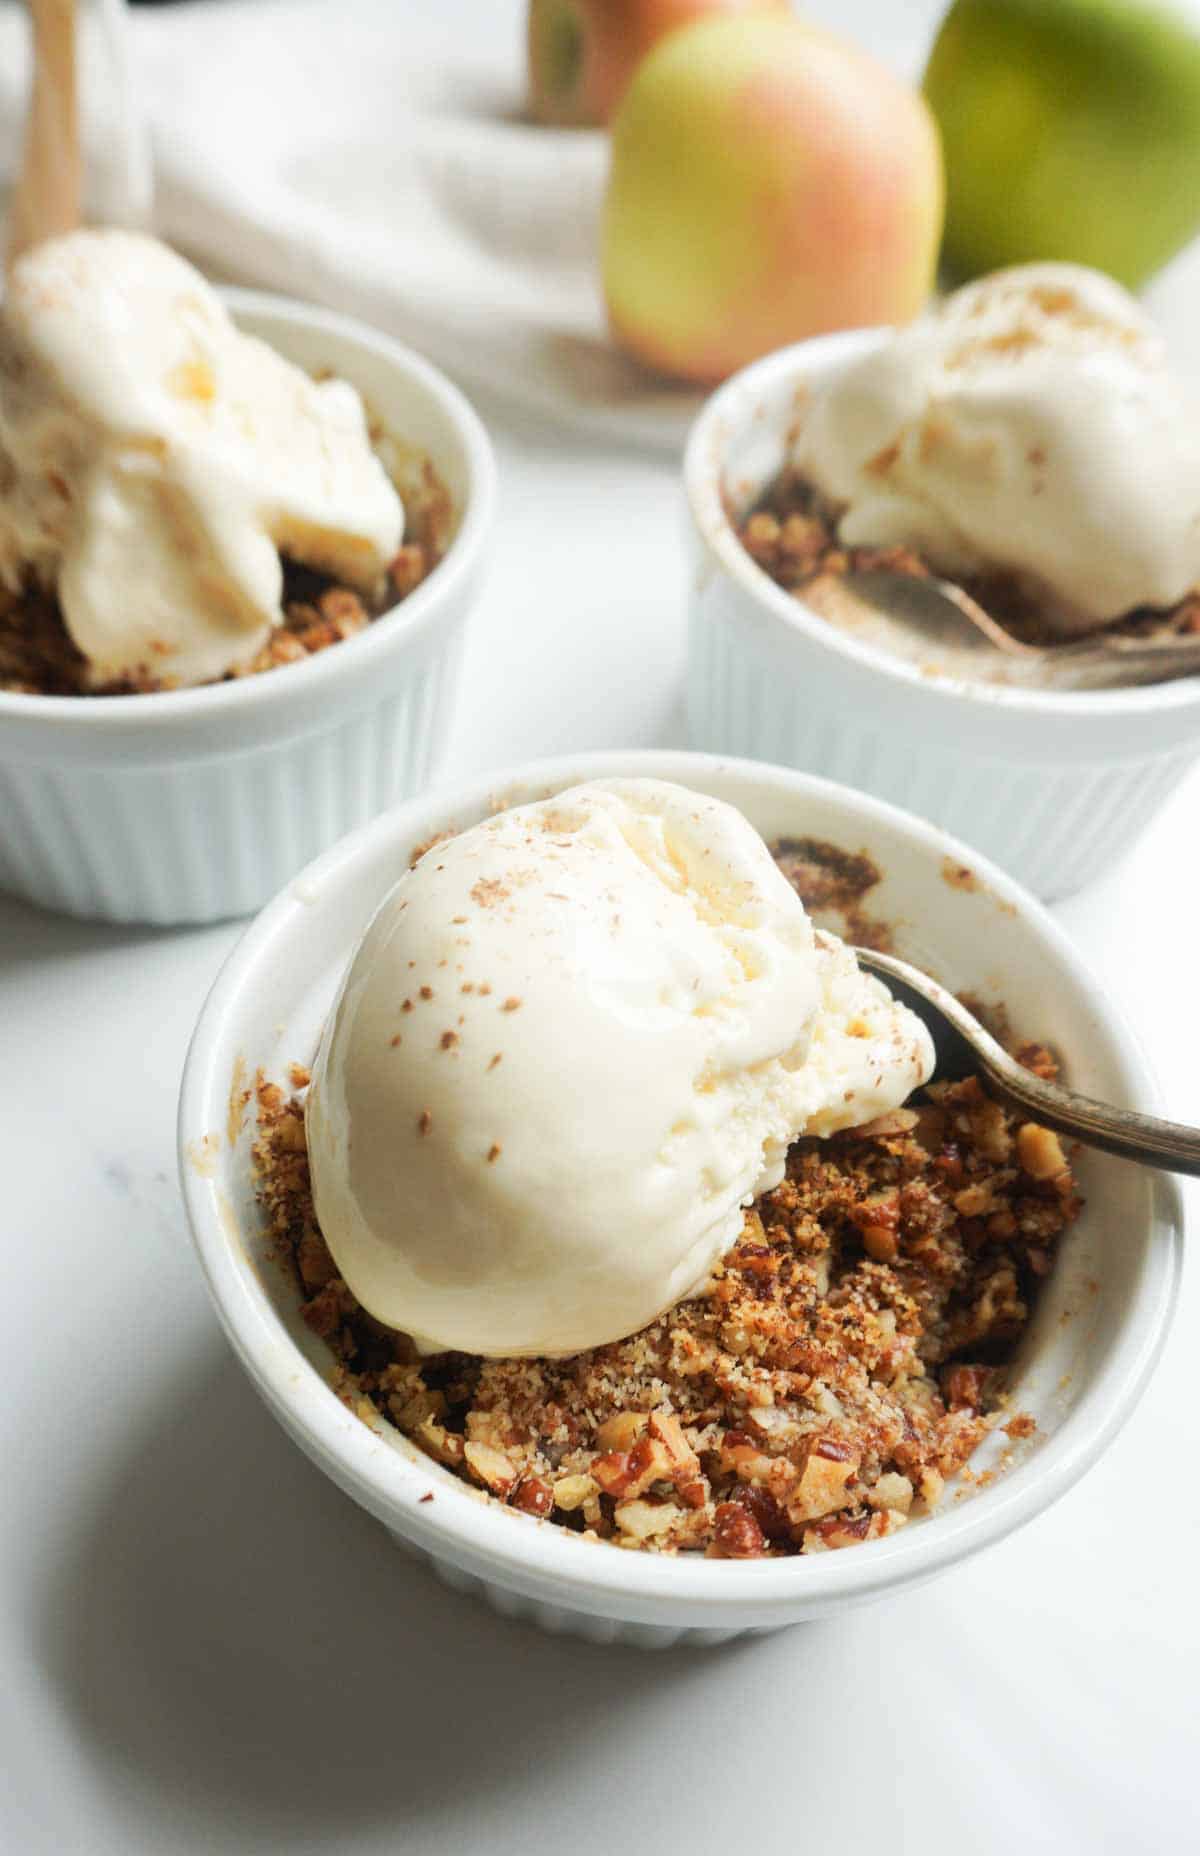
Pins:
<point x="916" y="615"/>
<point x="964" y="1048"/>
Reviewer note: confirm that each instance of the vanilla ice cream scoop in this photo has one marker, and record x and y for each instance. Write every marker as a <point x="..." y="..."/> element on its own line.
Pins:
<point x="154" y="461"/>
<point x="1029" y="424"/>
<point x="573" y="1044"/>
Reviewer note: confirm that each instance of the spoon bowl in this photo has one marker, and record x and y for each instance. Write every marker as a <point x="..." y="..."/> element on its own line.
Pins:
<point x="907" y="611"/>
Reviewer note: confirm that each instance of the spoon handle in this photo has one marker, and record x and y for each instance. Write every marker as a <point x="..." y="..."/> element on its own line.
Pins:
<point x="1170" y="1145"/>
<point x="46" y="199"/>
<point x="1115" y="661"/>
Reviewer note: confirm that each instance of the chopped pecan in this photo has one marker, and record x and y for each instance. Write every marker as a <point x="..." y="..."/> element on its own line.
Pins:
<point x="878" y="1211"/>
<point x="533" y="1496"/>
<point x="773" y="1421"/>
<point x="496" y="1471"/>
<point x="736" y="1534"/>
<point x="771" y="1519"/>
<point x="828" y="1470"/>
<point x="648" y="1463"/>
<point x="646" y="1520"/>
<point x="841" y="1530"/>
<point x="740" y="1457"/>
<point x="621" y="1431"/>
<point x="446" y="1446"/>
<point x="631" y="1472"/>
<point x="1039" y="1151"/>
<point x="611" y="1471"/>
<point x="666" y="1428"/>
<point x="891" y="1491"/>
<point x="570" y="1492"/>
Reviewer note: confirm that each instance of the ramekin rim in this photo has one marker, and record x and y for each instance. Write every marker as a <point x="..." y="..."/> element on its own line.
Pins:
<point x="711" y="522"/>
<point x="459" y="1522"/>
<point x="410" y="617"/>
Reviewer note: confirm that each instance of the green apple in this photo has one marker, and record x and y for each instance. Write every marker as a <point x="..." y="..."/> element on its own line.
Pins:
<point x="1071" y="129"/>
<point x="768" y="182"/>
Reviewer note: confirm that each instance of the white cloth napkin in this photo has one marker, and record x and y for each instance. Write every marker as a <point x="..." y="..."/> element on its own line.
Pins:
<point x="371" y="155"/>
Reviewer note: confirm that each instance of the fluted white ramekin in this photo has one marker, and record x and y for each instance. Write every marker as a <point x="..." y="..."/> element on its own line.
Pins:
<point x="1053" y="785"/>
<point x="198" y="804"/>
<point x="1095" y="1337"/>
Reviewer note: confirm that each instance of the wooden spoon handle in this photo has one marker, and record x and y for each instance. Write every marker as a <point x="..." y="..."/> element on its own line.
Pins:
<point x="48" y="193"/>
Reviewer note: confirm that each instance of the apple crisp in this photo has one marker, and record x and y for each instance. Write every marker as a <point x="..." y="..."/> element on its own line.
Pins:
<point x="39" y="658"/>
<point x="792" y="535"/>
<point x="848" y="1358"/>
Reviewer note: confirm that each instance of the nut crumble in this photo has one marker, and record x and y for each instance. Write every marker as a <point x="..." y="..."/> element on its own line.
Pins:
<point x="849" y="1358"/>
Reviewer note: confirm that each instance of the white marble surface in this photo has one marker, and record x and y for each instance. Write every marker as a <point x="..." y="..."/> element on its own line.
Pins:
<point x="205" y="1648"/>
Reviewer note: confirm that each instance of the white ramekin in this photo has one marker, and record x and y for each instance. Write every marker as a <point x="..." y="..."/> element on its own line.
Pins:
<point x="1095" y="1338"/>
<point x="198" y="804"/>
<point x="1053" y="786"/>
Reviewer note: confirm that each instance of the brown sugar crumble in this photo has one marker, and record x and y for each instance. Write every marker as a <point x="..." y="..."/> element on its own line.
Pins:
<point x="832" y="881"/>
<point x="38" y="657"/>
<point x="850" y="1356"/>
<point x="792" y="535"/>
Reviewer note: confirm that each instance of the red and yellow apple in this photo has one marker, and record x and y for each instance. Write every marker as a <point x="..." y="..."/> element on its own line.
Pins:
<point x="582" y="53"/>
<point x="768" y="183"/>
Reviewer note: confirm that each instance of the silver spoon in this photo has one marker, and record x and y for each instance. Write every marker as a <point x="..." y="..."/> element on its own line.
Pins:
<point x="901" y="605"/>
<point x="964" y="1048"/>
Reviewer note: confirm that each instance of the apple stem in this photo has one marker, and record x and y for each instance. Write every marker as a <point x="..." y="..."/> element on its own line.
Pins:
<point x="561" y="53"/>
